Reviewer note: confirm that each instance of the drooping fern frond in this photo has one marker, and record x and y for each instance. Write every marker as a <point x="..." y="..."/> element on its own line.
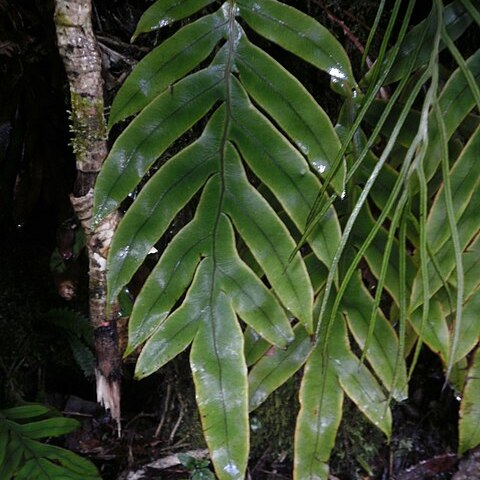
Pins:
<point x="262" y="124"/>
<point x="430" y="180"/>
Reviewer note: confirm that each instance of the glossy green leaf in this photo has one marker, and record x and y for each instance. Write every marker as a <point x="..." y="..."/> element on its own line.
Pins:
<point x="469" y="333"/>
<point x="24" y="458"/>
<point x="166" y="64"/>
<point x="458" y="57"/>
<point x="56" y="462"/>
<point x="385" y="181"/>
<point x="253" y="170"/>
<point x="374" y="233"/>
<point x="469" y="425"/>
<point x="474" y="13"/>
<point x="25" y="411"/>
<point x="152" y="131"/>
<point x="43" y="469"/>
<point x="217" y="358"/>
<point x="317" y="272"/>
<point x="456" y="21"/>
<point x="178" y="331"/>
<point x="284" y="171"/>
<point x="74" y="463"/>
<point x="471" y="267"/>
<point x="292" y="107"/>
<point x="269" y="241"/>
<point x="51" y="427"/>
<point x="12" y="459"/>
<point x="252" y="301"/>
<point x="383" y="348"/>
<point x="176" y="267"/>
<point x="434" y="332"/>
<point x="174" y="272"/>
<point x="299" y="34"/>
<point x="458" y="376"/>
<point x="164" y="12"/>
<point x="255" y="346"/>
<point x="374" y="255"/>
<point x="321" y="400"/>
<point x="409" y="128"/>
<point x="357" y="381"/>
<point x="277" y="366"/>
<point x="220" y="376"/>
<point x="464" y="180"/>
<point x="455" y="102"/>
<point x="441" y="266"/>
<point x="167" y="192"/>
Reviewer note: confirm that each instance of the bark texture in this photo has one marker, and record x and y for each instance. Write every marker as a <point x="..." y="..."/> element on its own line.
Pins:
<point x="78" y="48"/>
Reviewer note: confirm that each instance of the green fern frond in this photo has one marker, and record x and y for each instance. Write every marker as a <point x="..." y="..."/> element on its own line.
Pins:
<point x="78" y="333"/>
<point x="23" y="456"/>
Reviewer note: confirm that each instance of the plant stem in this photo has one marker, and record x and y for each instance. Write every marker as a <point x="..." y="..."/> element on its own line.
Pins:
<point x="78" y="49"/>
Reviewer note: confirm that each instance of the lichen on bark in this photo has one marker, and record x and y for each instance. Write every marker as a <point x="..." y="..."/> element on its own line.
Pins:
<point x="78" y="49"/>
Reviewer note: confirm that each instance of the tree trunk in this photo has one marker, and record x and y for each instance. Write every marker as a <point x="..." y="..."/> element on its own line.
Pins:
<point x="78" y="48"/>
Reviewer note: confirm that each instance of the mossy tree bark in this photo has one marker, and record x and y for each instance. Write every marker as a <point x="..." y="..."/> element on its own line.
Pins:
<point x="78" y="48"/>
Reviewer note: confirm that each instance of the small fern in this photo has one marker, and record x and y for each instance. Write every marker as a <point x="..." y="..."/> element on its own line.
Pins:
<point x="78" y="332"/>
<point x="24" y="457"/>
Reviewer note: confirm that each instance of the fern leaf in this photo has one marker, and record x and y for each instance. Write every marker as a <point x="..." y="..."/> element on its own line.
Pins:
<point x="23" y="457"/>
<point x="321" y="400"/>
<point x="201" y="267"/>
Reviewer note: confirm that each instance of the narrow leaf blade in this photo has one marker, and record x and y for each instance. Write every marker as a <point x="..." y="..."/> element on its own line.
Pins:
<point x="284" y="171"/>
<point x="277" y="366"/>
<point x="469" y="425"/>
<point x="356" y="380"/>
<point x="165" y="12"/>
<point x="269" y="241"/>
<point x="178" y="330"/>
<point x="383" y="349"/>
<point x="456" y="21"/>
<point x="464" y="181"/>
<point x="252" y="301"/>
<point x="167" y="192"/>
<point x="299" y="34"/>
<point x="147" y="137"/>
<point x="292" y="106"/>
<point x="321" y="400"/>
<point x="25" y="411"/>
<point x="220" y="376"/>
<point x="174" y="271"/>
<point x="469" y="329"/>
<point x="51" y="427"/>
<point x="166" y="64"/>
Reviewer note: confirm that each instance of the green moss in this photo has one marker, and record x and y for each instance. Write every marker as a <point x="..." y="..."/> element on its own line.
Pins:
<point x="273" y="423"/>
<point x="357" y="445"/>
<point x="87" y="123"/>
<point x="62" y="20"/>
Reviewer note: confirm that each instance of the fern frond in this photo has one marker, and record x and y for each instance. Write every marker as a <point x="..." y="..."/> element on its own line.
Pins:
<point x="23" y="456"/>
